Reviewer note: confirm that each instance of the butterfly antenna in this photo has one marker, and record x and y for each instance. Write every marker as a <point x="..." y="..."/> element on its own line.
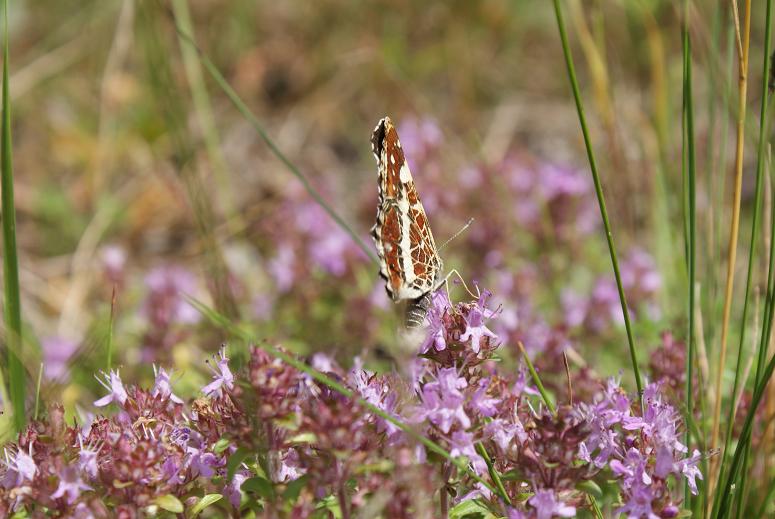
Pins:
<point x="462" y="229"/>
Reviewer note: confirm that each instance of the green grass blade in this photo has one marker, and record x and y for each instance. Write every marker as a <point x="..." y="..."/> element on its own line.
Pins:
<point x="726" y="489"/>
<point x="37" y="392"/>
<point x="599" y="192"/>
<point x="689" y="153"/>
<point x="243" y="109"/>
<point x="13" y="315"/>
<point x="203" y="107"/>
<point x="110" y="328"/>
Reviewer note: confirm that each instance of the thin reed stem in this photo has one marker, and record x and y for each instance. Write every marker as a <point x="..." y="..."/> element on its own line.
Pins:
<point x="742" y="89"/>
<point x="739" y="380"/>
<point x="599" y="192"/>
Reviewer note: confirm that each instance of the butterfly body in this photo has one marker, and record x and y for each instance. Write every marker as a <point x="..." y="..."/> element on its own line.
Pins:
<point x="409" y="260"/>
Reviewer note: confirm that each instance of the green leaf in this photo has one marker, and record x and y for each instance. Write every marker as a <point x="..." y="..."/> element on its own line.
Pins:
<point x="260" y="486"/>
<point x="169" y="503"/>
<point x="591" y="488"/>
<point x="471" y="509"/>
<point x="203" y="503"/>
<point x="235" y="460"/>
<point x="221" y="445"/>
<point x="294" y="488"/>
<point x="307" y="437"/>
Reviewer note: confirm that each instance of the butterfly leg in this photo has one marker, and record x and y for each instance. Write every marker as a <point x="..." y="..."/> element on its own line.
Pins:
<point x="463" y="281"/>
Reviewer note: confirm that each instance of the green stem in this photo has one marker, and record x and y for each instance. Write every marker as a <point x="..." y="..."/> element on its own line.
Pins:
<point x="595" y="507"/>
<point x="494" y="474"/>
<point x="536" y="379"/>
<point x="598" y="192"/>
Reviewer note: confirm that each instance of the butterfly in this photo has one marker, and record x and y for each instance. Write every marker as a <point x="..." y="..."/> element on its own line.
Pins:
<point x="409" y="260"/>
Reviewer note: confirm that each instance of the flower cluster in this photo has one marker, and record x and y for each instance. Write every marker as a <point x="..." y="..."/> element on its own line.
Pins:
<point x="276" y="438"/>
<point x="642" y="450"/>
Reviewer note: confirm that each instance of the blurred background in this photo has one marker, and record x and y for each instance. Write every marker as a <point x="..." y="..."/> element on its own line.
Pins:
<point x="137" y="176"/>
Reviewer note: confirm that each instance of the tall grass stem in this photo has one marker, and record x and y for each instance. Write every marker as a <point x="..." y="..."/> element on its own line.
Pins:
<point x="760" y="172"/>
<point x="743" y="43"/>
<point x="599" y="192"/>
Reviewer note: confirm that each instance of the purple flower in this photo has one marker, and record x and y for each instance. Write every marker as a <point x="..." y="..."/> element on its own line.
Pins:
<point x="232" y="490"/>
<point x="113" y="261"/>
<point x="87" y="458"/>
<point x="556" y="181"/>
<point x="503" y="433"/>
<point x="442" y="402"/>
<point x="262" y="306"/>
<point x="639" y="270"/>
<point x="377" y="392"/>
<point x="482" y="403"/>
<point x="475" y="328"/>
<point x="221" y="377"/>
<point x="56" y="354"/>
<point x="632" y="469"/>
<point x="659" y="420"/>
<point x="688" y="467"/>
<point x="202" y="463"/>
<point x="462" y="444"/>
<point x="330" y="251"/>
<point x="281" y="268"/>
<point x="323" y="362"/>
<point x="70" y="485"/>
<point x="162" y="387"/>
<point x="82" y="512"/>
<point x="435" y="319"/>
<point x="547" y="505"/>
<point x="165" y="303"/>
<point x="113" y="384"/>
<point x="638" y="504"/>
<point x="21" y="467"/>
<point x="420" y="138"/>
<point x="611" y="409"/>
<point x="288" y="467"/>
<point x="513" y="513"/>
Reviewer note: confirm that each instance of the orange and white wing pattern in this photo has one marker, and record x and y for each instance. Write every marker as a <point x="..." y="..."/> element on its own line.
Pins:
<point x="409" y="261"/>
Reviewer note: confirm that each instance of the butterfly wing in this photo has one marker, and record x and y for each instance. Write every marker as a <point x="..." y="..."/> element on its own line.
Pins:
<point x="409" y="261"/>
